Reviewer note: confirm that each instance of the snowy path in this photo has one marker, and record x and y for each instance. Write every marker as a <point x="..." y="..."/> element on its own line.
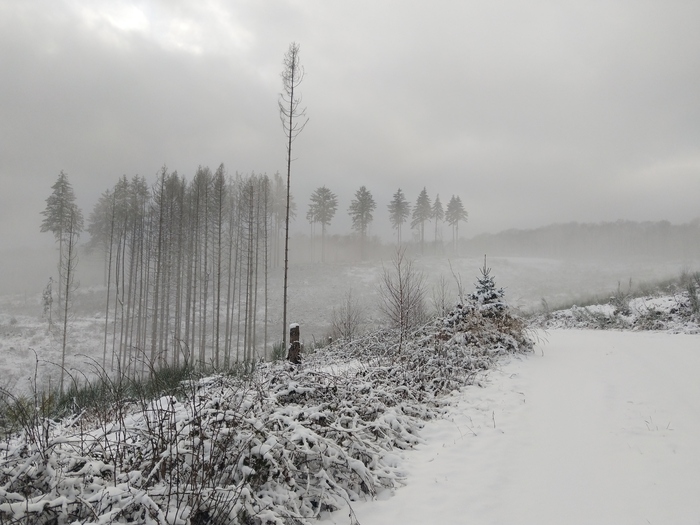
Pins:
<point x="602" y="428"/>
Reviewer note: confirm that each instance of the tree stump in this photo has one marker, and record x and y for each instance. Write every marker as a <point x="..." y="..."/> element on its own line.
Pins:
<point x="294" y="351"/>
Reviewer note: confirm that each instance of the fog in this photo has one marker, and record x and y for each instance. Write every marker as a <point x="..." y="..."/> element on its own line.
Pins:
<point x="533" y="113"/>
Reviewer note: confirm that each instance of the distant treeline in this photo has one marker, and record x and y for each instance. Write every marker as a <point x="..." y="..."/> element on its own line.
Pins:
<point x="614" y="240"/>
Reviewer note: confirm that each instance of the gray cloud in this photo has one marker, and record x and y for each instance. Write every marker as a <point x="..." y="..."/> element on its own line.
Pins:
<point x="532" y="112"/>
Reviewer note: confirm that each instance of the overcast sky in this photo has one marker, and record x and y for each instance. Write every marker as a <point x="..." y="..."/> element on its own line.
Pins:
<point x="531" y="111"/>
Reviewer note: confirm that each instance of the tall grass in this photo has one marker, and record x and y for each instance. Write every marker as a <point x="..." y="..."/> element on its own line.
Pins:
<point x="99" y="395"/>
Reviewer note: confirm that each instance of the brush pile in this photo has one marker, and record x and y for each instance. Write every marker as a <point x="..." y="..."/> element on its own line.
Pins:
<point x="283" y="445"/>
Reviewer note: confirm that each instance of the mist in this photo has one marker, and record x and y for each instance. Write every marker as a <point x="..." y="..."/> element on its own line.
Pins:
<point x="535" y="114"/>
<point x="569" y="132"/>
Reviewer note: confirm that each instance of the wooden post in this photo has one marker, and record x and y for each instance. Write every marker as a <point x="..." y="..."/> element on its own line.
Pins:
<point x="294" y="352"/>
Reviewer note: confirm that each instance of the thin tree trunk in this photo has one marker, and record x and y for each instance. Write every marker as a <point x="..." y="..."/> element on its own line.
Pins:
<point x="68" y="267"/>
<point x="116" y="305"/>
<point x="143" y="297"/>
<point x="178" y="277"/>
<point x="205" y="295"/>
<point x="109" y="284"/>
<point x="266" y="191"/>
<point x="158" y="264"/>
<point x="230" y="277"/>
<point x="220" y="220"/>
<point x="132" y="271"/>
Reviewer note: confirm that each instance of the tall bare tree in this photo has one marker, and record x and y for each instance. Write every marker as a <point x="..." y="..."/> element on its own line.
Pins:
<point x="219" y="202"/>
<point x="158" y="210"/>
<point x="69" y="262"/>
<point x="101" y="230"/>
<point x="293" y="120"/>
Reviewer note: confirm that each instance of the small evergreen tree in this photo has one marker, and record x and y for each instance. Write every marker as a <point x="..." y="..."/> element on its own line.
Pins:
<point x="487" y="298"/>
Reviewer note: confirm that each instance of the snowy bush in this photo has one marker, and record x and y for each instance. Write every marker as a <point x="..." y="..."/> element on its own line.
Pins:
<point x="281" y="446"/>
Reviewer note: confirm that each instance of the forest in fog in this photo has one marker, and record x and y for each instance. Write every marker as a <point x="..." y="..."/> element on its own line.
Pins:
<point x="177" y="257"/>
<point x="186" y="263"/>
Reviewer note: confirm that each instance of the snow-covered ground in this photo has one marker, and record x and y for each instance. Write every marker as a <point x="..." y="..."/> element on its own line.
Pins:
<point x="671" y="312"/>
<point x="316" y="288"/>
<point x="596" y="427"/>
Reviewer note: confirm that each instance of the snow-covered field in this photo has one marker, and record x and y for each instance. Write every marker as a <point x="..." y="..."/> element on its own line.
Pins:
<point x="315" y="289"/>
<point x="596" y="427"/>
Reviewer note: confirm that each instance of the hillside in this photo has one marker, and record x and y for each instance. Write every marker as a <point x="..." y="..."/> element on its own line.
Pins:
<point x="277" y="444"/>
<point x="621" y="241"/>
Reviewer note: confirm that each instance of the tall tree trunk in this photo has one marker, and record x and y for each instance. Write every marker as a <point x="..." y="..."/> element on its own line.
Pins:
<point x="68" y="267"/>
<point x="230" y="275"/>
<point x="265" y="236"/>
<point x="205" y="284"/>
<point x="157" y="269"/>
<point x="117" y="264"/>
<point x="178" y="279"/>
<point x="109" y="284"/>
<point x="219" y="232"/>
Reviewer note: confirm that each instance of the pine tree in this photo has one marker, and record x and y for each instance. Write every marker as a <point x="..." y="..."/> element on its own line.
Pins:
<point x="360" y="211"/>
<point x="322" y="208"/>
<point x="437" y="214"/>
<point x="60" y="215"/>
<point x="488" y="299"/>
<point x="63" y="218"/>
<point x="421" y="213"/>
<point x="61" y="209"/>
<point x="399" y="211"/>
<point x="454" y="215"/>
